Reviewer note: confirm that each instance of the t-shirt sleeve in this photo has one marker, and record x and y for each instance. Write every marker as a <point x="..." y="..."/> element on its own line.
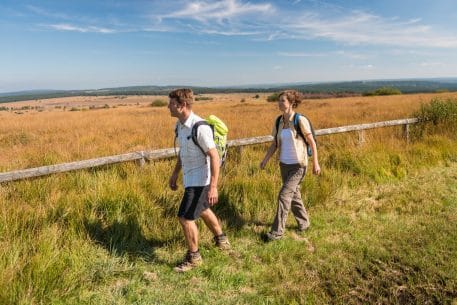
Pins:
<point x="205" y="137"/>
<point x="304" y="125"/>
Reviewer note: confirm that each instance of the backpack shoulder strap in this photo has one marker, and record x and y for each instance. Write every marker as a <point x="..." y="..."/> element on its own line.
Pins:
<point x="176" y="137"/>
<point x="277" y="122"/>
<point x="176" y="130"/>
<point x="194" y="133"/>
<point x="297" y="126"/>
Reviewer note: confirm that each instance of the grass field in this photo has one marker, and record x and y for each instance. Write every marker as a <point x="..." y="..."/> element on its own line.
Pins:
<point x="37" y="138"/>
<point x="384" y="224"/>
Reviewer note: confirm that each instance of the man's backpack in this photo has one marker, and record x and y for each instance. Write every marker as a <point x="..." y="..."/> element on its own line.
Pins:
<point x="299" y="131"/>
<point x="220" y="132"/>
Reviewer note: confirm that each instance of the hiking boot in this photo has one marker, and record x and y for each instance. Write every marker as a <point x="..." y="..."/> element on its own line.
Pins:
<point x="301" y="231"/>
<point x="222" y="242"/>
<point x="273" y="236"/>
<point x="191" y="260"/>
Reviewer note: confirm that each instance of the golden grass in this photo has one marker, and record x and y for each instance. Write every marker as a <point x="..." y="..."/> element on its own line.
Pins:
<point x="53" y="135"/>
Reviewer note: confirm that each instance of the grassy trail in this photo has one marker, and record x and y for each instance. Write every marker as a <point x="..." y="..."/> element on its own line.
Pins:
<point x="383" y="243"/>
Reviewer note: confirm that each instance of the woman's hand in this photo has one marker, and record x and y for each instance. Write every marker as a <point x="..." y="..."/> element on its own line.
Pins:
<point x="316" y="169"/>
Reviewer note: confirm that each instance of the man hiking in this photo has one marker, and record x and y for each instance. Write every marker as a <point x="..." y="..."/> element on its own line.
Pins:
<point x="200" y="165"/>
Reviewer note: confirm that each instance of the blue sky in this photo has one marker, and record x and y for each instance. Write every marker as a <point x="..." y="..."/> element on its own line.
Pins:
<point x="95" y="44"/>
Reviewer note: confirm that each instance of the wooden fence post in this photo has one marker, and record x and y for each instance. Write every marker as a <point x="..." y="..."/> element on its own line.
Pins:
<point x="239" y="151"/>
<point x="406" y="133"/>
<point x="141" y="161"/>
<point x="361" y="139"/>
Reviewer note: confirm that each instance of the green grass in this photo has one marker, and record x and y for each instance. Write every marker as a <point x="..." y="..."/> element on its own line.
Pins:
<point x="384" y="231"/>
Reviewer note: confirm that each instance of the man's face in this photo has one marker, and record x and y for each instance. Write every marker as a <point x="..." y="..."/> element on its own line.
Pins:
<point x="174" y="107"/>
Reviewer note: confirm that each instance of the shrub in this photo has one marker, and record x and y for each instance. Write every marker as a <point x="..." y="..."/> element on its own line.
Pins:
<point x="383" y="91"/>
<point x="158" y="103"/>
<point x="439" y="111"/>
<point x="203" y="98"/>
<point x="273" y="98"/>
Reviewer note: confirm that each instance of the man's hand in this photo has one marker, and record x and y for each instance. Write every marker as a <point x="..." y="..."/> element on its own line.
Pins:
<point x="213" y="195"/>
<point x="172" y="182"/>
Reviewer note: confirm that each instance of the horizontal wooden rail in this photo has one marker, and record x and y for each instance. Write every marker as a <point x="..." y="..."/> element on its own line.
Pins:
<point x="141" y="156"/>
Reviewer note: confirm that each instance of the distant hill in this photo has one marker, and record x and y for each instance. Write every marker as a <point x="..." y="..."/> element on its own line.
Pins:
<point x="329" y="88"/>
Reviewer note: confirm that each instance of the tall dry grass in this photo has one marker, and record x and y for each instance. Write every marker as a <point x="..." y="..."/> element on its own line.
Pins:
<point x="52" y="136"/>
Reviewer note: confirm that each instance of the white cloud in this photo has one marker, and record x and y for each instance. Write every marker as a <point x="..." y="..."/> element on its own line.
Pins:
<point x="219" y="10"/>
<point x="268" y="22"/>
<point x="431" y="64"/>
<point x="360" y="28"/>
<point x="81" y="29"/>
<point x="43" y="12"/>
<point x="301" y="54"/>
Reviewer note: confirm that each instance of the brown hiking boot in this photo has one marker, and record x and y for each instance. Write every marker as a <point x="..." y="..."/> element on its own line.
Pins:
<point x="272" y="236"/>
<point x="191" y="260"/>
<point x="222" y="242"/>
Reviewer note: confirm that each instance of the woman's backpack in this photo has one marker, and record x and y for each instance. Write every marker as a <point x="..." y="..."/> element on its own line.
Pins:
<point x="299" y="131"/>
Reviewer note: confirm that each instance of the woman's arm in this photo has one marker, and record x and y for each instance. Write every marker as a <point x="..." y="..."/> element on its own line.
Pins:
<point x="316" y="167"/>
<point x="268" y="155"/>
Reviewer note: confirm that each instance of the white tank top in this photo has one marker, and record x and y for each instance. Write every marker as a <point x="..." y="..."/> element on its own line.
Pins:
<point x="288" y="154"/>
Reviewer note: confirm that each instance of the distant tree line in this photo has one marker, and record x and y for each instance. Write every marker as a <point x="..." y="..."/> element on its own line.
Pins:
<point x="321" y="90"/>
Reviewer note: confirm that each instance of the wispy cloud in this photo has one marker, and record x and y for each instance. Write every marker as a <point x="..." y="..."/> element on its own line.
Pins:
<point x="219" y="10"/>
<point x="81" y="29"/>
<point x="363" y="28"/>
<point x="224" y="17"/>
<point x="46" y="13"/>
<point x="347" y="54"/>
<point x="269" y="22"/>
<point x="301" y="54"/>
<point x="431" y="64"/>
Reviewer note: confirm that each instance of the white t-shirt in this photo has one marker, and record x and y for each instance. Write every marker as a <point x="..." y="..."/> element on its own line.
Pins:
<point x="288" y="154"/>
<point x="195" y="165"/>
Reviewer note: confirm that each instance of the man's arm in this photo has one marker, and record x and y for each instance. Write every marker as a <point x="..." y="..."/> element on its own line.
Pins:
<point x="174" y="175"/>
<point x="214" y="166"/>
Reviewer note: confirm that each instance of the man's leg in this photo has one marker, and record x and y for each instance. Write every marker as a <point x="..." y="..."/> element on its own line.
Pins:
<point x="211" y="222"/>
<point x="193" y="257"/>
<point x="214" y="225"/>
<point x="190" y="233"/>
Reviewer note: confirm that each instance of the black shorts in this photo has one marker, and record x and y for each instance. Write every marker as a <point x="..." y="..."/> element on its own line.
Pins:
<point x="194" y="202"/>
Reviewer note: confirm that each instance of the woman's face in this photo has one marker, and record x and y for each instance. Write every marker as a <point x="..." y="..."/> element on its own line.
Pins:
<point x="284" y="104"/>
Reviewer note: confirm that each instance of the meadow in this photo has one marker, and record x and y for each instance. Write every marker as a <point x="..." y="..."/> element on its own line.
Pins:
<point x="383" y="214"/>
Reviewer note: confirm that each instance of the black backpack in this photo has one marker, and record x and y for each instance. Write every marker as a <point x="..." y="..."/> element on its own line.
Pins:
<point x="299" y="131"/>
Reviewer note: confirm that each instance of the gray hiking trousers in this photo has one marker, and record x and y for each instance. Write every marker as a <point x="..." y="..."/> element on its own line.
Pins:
<point x="290" y="197"/>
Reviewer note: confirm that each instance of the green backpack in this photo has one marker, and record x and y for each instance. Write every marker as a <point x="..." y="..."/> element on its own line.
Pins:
<point x="220" y="132"/>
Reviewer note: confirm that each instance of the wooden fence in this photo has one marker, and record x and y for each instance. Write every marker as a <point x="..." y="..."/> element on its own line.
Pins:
<point x="141" y="156"/>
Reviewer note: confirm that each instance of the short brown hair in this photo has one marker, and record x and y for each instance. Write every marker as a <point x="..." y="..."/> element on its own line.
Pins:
<point x="294" y="97"/>
<point x="183" y="95"/>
